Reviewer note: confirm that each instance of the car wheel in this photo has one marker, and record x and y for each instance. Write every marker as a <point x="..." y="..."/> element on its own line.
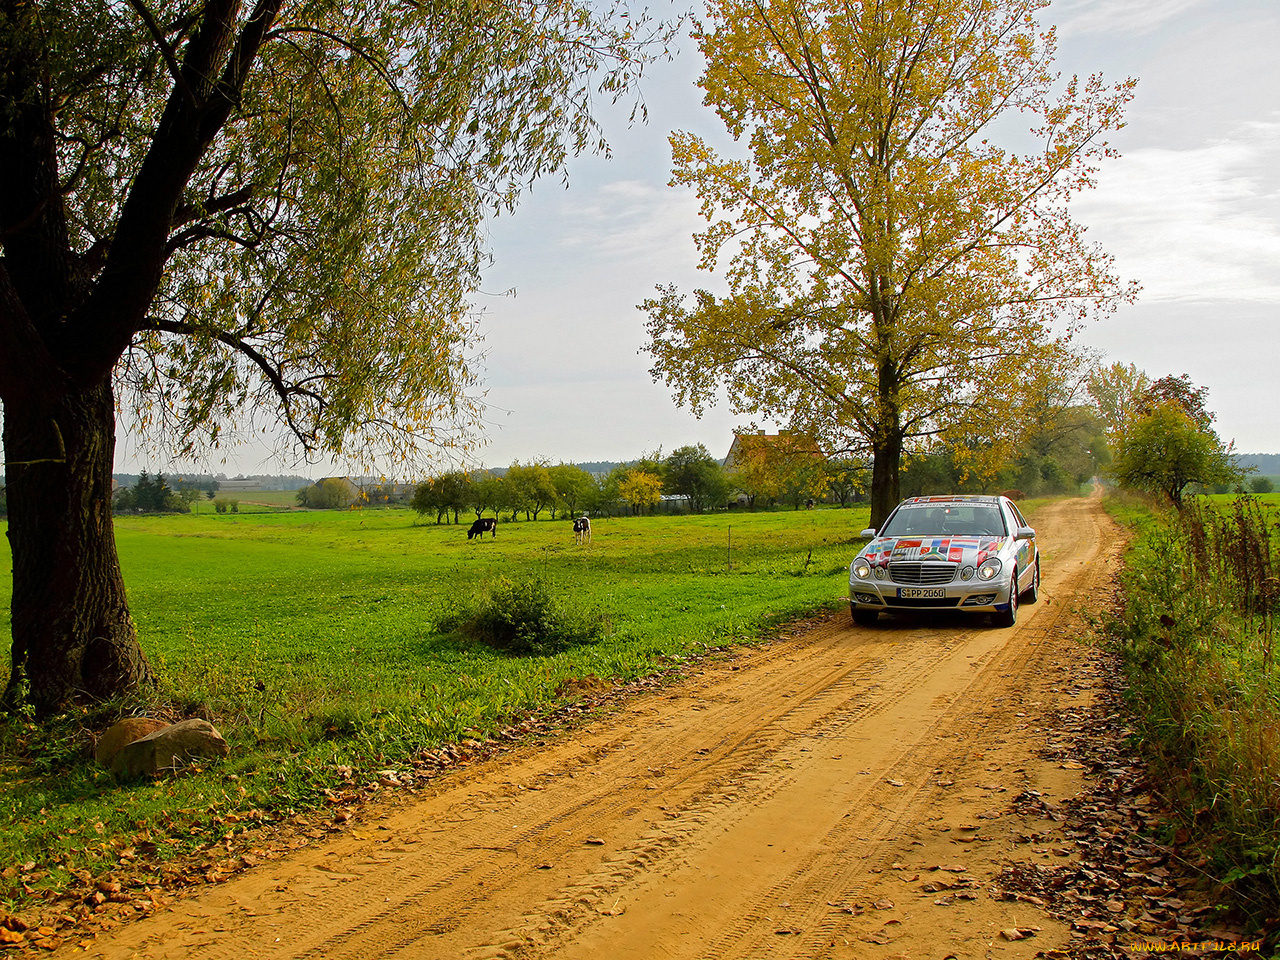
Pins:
<point x="863" y="617"/>
<point x="1007" y="618"/>
<point x="1032" y="593"/>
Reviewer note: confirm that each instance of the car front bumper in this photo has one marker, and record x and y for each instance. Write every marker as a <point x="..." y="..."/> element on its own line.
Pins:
<point x="986" y="597"/>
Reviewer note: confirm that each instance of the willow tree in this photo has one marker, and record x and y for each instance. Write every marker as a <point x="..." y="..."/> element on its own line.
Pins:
<point x="222" y="215"/>
<point x="892" y="272"/>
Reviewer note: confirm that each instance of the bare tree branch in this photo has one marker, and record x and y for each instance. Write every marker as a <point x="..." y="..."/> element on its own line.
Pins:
<point x="166" y="51"/>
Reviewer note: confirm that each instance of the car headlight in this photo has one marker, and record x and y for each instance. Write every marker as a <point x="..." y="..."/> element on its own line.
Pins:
<point x="966" y="573"/>
<point x="882" y="573"/>
<point x="989" y="569"/>
<point x="861" y="569"/>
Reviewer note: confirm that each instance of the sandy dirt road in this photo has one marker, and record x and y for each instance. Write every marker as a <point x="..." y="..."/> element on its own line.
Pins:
<point x="842" y="792"/>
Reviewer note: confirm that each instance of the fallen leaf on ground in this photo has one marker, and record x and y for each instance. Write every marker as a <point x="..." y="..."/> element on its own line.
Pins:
<point x="1019" y="933"/>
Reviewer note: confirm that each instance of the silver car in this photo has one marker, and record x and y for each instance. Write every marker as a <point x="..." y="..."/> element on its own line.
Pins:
<point x="975" y="554"/>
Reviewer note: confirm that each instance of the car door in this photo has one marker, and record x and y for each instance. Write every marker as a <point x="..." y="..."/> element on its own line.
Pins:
<point x="1026" y="552"/>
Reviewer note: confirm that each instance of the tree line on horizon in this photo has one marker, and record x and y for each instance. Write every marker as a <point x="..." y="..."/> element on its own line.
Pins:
<point x="1057" y="458"/>
<point x="1111" y="422"/>
<point x="690" y="477"/>
<point x="1070" y="444"/>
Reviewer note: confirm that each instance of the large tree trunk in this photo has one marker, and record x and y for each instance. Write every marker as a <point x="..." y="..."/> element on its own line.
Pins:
<point x="886" y="439"/>
<point x="885" y="488"/>
<point x="73" y="638"/>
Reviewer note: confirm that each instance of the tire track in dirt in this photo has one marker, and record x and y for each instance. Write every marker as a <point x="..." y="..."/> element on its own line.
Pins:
<point x="744" y="812"/>
<point x="768" y="778"/>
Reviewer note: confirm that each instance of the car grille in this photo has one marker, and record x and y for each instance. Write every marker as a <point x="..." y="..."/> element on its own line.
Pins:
<point x="922" y="574"/>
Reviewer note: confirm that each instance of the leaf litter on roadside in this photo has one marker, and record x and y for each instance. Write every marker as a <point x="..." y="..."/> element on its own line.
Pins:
<point x="1117" y="887"/>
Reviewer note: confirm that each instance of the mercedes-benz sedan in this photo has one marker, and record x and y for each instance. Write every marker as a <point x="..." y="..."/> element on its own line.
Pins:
<point x="975" y="554"/>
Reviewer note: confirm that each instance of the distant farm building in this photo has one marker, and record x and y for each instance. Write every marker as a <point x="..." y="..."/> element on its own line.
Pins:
<point x="748" y="448"/>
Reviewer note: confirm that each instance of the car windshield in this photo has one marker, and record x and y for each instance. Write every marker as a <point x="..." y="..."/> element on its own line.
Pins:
<point x="945" y="519"/>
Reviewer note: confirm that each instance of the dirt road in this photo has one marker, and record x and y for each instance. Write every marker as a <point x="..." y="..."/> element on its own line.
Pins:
<point x="844" y="792"/>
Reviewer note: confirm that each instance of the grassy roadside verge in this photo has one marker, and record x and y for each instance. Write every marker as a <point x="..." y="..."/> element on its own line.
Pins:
<point x="1197" y="627"/>
<point x="313" y="641"/>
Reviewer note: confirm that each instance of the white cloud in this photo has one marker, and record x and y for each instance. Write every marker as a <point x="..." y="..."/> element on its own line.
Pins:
<point x="634" y="219"/>
<point x="1116" y="16"/>
<point x="1195" y="224"/>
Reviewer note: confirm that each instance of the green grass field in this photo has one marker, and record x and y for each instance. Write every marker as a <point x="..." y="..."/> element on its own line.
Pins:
<point x="309" y="638"/>
<point x="250" y="501"/>
<point x="334" y="612"/>
<point x="1266" y="499"/>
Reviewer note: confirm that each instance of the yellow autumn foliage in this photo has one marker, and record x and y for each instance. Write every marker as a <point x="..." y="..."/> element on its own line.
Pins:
<point x="891" y="273"/>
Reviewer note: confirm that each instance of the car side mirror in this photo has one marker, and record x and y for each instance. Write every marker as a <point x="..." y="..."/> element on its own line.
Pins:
<point x="868" y="533"/>
<point x="1025" y="533"/>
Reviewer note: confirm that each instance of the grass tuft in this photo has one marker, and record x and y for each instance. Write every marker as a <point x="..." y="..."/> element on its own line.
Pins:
<point x="524" y="618"/>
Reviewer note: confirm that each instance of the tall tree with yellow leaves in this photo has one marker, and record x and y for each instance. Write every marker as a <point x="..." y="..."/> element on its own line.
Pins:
<point x="892" y="273"/>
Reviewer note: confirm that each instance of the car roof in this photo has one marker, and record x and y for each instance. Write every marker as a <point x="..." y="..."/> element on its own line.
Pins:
<point x="953" y="498"/>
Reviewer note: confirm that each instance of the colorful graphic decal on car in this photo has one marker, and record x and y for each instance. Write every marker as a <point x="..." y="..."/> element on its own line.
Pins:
<point x="989" y="548"/>
<point x="944" y="549"/>
<point x="878" y="552"/>
<point x="954" y="499"/>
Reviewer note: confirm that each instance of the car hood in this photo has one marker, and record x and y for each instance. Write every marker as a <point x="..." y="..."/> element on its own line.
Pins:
<point x="967" y="550"/>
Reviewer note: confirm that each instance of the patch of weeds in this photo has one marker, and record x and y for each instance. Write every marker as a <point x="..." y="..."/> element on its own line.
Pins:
<point x="1196" y="632"/>
<point x="523" y="618"/>
<point x="50" y="748"/>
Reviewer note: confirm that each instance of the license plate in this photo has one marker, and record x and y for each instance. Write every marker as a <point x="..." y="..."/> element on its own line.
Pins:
<point x="921" y="593"/>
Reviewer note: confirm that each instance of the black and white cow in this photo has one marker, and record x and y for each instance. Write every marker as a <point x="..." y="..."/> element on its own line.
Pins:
<point x="582" y="530"/>
<point x="482" y="526"/>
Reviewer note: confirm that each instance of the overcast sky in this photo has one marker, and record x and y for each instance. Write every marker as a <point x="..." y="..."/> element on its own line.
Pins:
<point x="1191" y="210"/>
